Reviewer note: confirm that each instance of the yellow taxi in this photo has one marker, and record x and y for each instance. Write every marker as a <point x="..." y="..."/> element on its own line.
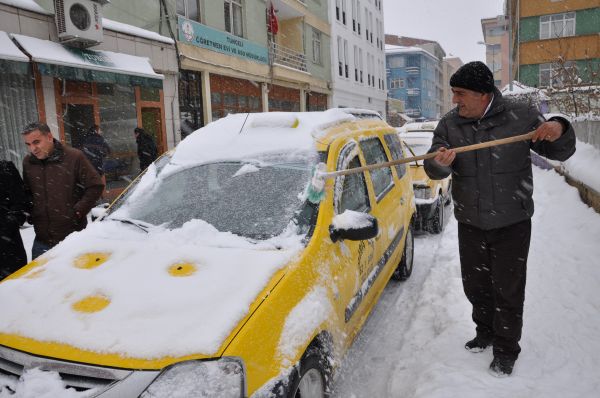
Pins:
<point x="214" y="274"/>
<point x="431" y="196"/>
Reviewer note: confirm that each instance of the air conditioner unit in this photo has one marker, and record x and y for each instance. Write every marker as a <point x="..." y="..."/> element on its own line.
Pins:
<point x="79" y="22"/>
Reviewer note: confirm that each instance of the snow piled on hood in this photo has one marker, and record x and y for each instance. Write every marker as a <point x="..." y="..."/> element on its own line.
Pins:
<point x="143" y="295"/>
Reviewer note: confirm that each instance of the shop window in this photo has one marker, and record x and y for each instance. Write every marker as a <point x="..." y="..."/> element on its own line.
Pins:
<point x="188" y="9"/>
<point x="150" y="94"/>
<point x="233" y="17"/>
<point x="190" y="102"/>
<point x="118" y="119"/>
<point x="17" y="96"/>
<point x="231" y="95"/>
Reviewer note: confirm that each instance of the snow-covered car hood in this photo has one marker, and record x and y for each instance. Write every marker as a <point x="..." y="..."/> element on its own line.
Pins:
<point x="114" y="289"/>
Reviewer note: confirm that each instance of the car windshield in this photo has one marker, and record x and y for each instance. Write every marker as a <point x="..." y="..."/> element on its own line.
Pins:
<point x="254" y="199"/>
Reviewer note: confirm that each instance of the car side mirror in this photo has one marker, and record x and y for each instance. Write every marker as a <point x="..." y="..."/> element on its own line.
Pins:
<point x="353" y="225"/>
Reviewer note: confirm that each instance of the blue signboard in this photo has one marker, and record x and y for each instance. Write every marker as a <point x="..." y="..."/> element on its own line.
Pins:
<point x="199" y="35"/>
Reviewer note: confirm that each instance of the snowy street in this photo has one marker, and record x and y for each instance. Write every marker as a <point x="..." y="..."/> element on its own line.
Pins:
<point x="412" y="345"/>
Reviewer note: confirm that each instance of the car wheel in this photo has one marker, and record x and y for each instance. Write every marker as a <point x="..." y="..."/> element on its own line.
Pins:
<point x="437" y="222"/>
<point x="311" y="378"/>
<point x="405" y="266"/>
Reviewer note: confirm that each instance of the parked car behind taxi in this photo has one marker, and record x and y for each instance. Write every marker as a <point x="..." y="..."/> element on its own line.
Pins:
<point x="213" y="274"/>
<point x="431" y="196"/>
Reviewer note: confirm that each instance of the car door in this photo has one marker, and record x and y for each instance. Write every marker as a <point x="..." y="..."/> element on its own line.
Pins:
<point x="353" y="258"/>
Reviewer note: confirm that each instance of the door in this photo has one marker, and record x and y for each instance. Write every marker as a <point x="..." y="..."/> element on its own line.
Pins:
<point x="152" y="124"/>
<point x="77" y="120"/>
<point x="354" y="258"/>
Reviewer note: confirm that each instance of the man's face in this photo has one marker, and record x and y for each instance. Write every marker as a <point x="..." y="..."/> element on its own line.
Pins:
<point x="39" y="144"/>
<point x="471" y="104"/>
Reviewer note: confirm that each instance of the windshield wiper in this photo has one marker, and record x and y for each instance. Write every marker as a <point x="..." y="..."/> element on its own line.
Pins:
<point x="131" y="222"/>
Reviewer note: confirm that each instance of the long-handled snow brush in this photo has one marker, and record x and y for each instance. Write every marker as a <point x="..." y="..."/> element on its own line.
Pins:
<point x="316" y="190"/>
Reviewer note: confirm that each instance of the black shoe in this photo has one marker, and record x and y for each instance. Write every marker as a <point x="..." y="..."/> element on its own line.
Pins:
<point x="501" y="367"/>
<point x="478" y="344"/>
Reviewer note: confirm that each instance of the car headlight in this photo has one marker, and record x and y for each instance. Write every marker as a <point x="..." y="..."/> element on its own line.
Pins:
<point x="198" y="379"/>
<point x="422" y="191"/>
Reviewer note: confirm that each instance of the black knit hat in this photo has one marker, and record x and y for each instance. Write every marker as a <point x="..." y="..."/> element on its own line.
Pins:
<point x="474" y="76"/>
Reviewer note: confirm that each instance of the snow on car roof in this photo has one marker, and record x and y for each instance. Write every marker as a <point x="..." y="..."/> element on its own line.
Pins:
<point x="244" y="135"/>
<point x="420" y="126"/>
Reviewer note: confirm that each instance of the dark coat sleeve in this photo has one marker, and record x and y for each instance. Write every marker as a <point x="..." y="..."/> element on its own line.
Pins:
<point x="561" y="149"/>
<point x="91" y="183"/>
<point x="17" y="207"/>
<point x="433" y="169"/>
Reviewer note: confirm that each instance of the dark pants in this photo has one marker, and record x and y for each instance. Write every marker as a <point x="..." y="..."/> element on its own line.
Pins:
<point x="494" y="267"/>
<point x="39" y="248"/>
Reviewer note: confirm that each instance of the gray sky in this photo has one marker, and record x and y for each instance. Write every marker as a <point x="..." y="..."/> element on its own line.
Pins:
<point x="455" y="24"/>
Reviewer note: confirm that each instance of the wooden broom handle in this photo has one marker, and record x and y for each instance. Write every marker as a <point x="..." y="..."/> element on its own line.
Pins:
<point x="467" y="148"/>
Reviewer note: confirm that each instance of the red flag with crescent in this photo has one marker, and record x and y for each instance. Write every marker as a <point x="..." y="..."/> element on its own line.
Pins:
<point x="272" y="24"/>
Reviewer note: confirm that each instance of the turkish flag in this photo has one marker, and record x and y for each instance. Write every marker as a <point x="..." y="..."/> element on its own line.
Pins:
<point x="272" y="24"/>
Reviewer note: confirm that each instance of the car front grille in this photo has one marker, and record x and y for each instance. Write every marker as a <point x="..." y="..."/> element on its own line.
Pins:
<point x="78" y="376"/>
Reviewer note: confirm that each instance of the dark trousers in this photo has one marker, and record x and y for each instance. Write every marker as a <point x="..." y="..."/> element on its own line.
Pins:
<point x="39" y="248"/>
<point x="494" y="267"/>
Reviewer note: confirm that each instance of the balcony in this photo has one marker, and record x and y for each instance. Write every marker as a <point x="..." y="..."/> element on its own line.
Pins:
<point x="413" y="91"/>
<point x="287" y="57"/>
<point x="413" y="70"/>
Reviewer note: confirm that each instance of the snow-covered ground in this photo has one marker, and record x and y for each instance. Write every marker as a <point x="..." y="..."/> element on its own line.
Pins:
<point x="412" y="345"/>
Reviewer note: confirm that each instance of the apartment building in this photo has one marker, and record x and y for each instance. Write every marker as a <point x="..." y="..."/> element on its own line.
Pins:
<point x="495" y="36"/>
<point x="449" y="66"/>
<point x="357" y="53"/>
<point x="251" y="56"/>
<point x="555" y="43"/>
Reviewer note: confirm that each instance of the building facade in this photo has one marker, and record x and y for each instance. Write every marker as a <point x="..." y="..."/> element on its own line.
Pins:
<point x="432" y="97"/>
<point x="449" y="66"/>
<point x="357" y="53"/>
<point x="495" y="36"/>
<point x="127" y="79"/>
<point x="414" y="77"/>
<point x="251" y="56"/>
<point x="555" y="43"/>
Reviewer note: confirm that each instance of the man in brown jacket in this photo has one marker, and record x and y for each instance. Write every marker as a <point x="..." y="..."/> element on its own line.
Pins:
<point x="62" y="184"/>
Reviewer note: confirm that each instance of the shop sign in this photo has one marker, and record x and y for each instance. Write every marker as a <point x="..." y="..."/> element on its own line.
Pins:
<point x="200" y="35"/>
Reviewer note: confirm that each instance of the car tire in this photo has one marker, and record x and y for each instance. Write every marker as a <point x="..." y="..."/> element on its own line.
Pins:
<point x="437" y="222"/>
<point x="405" y="267"/>
<point x="311" y="378"/>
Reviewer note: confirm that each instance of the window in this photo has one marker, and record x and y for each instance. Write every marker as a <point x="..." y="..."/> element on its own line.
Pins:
<point x="188" y="9"/>
<point x="557" y="25"/>
<point x="316" y="41"/>
<point x="340" y="57"/>
<point x="337" y="9"/>
<point x="353" y="195"/>
<point x="233" y="17"/>
<point x="346" y="66"/>
<point x="356" y="62"/>
<point x="382" y="178"/>
<point x="397" y="62"/>
<point x="344" y="12"/>
<point x="360" y="65"/>
<point x="395" y="146"/>
<point x="358" y="17"/>
<point x="354" y="15"/>
<point x="556" y="75"/>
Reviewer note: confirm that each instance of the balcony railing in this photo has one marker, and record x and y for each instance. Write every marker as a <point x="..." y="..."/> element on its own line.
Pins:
<point x="287" y="57"/>
<point x="413" y="91"/>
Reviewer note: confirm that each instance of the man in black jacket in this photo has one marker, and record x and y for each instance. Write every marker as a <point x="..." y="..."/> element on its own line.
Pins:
<point x="492" y="191"/>
<point x="13" y="207"/>
<point x="146" y="147"/>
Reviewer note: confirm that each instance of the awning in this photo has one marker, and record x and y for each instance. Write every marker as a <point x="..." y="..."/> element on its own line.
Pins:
<point x="12" y="60"/>
<point x="54" y="59"/>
